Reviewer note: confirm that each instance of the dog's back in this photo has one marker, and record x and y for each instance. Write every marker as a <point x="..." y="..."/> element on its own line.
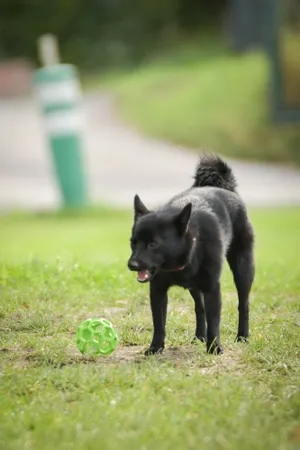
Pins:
<point x="214" y="194"/>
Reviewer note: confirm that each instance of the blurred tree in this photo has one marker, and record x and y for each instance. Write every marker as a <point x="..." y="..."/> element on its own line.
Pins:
<point x="101" y="31"/>
<point x="292" y="13"/>
<point x="194" y="13"/>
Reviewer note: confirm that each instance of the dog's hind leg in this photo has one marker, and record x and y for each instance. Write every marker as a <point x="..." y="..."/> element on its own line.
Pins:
<point x="200" y="314"/>
<point x="241" y="262"/>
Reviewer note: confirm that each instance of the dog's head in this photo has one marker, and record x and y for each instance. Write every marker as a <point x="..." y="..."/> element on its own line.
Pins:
<point x="158" y="240"/>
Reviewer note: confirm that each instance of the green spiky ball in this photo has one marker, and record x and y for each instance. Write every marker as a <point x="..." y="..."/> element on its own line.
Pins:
<point x="96" y="337"/>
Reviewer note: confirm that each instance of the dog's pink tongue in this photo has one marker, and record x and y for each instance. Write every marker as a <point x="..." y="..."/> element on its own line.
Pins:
<point x="144" y="275"/>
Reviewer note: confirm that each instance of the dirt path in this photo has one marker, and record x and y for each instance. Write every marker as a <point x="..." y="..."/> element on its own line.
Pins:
<point x="119" y="162"/>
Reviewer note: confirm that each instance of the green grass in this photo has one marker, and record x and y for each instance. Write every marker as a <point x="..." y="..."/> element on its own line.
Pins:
<point x="55" y="271"/>
<point x="209" y="99"/>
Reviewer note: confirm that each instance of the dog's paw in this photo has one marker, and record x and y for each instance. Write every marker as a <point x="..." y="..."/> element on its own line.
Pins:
<point x="197" y="339"/>
<point x="214" y="348"/>
<point x="153" y="350"/>
<point x="242" y="339"/>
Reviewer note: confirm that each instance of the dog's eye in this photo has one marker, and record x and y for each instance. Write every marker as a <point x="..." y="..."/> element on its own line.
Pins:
<point x="153" y="245"/>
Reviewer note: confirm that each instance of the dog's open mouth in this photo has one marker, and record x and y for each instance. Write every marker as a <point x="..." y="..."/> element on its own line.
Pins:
<point x="145" y="275"/>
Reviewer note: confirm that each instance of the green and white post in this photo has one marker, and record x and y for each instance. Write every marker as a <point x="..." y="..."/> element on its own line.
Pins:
<point x="59" y="95"/>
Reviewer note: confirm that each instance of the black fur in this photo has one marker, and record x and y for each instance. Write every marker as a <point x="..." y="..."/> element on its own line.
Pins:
<point x="213" y="171"/>
<point x="185" y="242"/>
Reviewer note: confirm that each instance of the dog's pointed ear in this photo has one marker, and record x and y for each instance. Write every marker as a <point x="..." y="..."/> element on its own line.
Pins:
<point x="139" y="208"/>
<point x="182" y="219"/>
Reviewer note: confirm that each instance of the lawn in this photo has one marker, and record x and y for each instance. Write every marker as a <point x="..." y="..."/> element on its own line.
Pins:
<point x="58" y="270"/>
<point x="203" y="99"/>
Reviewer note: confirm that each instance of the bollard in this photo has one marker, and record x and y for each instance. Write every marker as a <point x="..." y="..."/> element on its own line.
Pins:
<point x="60" y="99"/>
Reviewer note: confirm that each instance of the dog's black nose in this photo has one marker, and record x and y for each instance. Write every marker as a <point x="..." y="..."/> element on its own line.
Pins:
<point x="133" y="265"/>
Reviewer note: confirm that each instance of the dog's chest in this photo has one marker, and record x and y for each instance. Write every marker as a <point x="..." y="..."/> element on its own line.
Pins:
<point x="186" y="280"/>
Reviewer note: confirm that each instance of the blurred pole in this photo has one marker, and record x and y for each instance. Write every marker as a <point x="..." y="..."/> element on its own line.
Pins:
<point x="246" y="23"/>
<point x="48" y="50"/>
<point x="60" y="99"/>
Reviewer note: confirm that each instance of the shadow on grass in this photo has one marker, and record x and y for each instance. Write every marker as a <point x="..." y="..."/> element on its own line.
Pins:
<point x="193" y="356"/>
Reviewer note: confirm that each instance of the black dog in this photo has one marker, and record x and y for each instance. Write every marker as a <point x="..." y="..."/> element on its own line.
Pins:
<point x="185" y="243"/>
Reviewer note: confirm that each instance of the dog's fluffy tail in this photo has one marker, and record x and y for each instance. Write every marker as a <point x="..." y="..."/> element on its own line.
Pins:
<point x="213" y="171"/>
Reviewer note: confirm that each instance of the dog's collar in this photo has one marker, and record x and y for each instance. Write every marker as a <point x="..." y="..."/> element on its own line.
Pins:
<point x="180" y="268"/>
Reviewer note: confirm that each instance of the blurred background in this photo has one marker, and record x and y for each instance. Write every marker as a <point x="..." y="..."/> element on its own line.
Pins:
<point x="147" y="87"/>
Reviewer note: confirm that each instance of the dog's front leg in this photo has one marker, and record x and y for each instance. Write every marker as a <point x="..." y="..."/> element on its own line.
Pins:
<point x="159" y="303"/>
<point x="212" y="301"/>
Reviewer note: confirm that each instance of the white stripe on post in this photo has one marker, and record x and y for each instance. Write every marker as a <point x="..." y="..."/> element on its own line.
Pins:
<point x="64" y="122"/>
<point x="59" y="92"/>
